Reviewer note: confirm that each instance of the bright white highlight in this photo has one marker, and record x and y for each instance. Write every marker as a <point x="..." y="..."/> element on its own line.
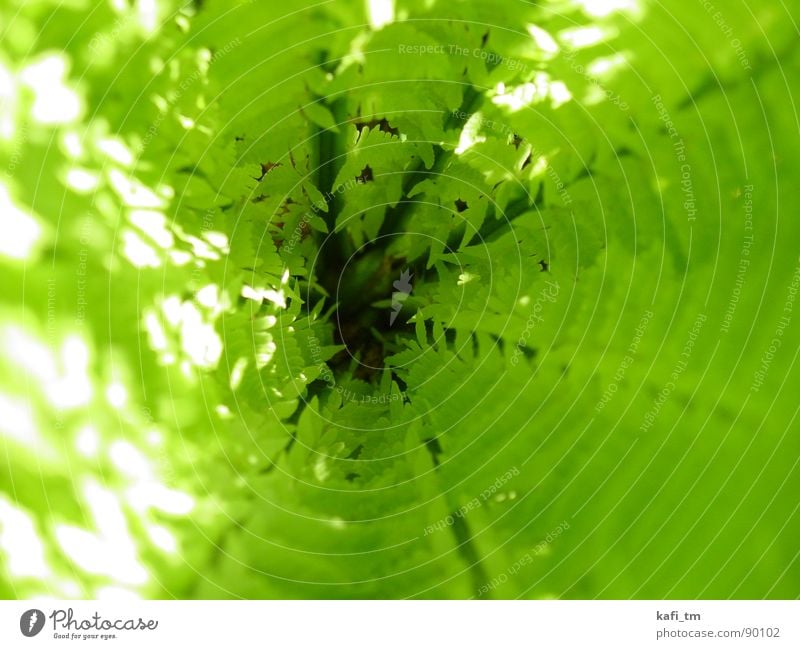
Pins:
<point x="21" y="230"/>
<point x="117" y="395"/>
<point x="23" y="550"/>
<point x="111" y="550"/>
<point x="544" y="41"/>
<point x="582" y="37"/>
<point x="82" y="181"/>
<point x="54" y="102"/>
<point x="133" y="192"/>
<point x="381" y="12"/>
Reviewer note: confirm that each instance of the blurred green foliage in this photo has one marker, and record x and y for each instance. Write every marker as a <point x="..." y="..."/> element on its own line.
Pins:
<point x="204" y="208"/>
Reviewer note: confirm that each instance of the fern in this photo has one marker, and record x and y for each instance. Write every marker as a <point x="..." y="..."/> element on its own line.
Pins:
<point x="333" y="310"/>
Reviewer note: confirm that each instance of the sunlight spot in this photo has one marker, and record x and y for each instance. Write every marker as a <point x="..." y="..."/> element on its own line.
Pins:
<point x="116" y="395"/>
<point x="199" y="339"/>
<point x="82" y="181"/>
<point x="138" y="252"/>
<point x="544" y="41"/>
<point x="265" y="353"/>
<point x="237" y="374"/>
<point x="539" y="167"/>
<point x="603" y="8"/>
<point x="21" y="231"/>
<point x="8" y="93"/>
<point x="145" y="495"/>
<point x="162" y="538"/>
<point x="115" y="149"/>
<point x="70" y="589"/>
<point x="68" y="390"/>
<point x="260" y="294"/>
<point x="81" y="546"/>
<point x="337" y="523"/>
<point x="75" y="353"/>
<point x="187" y="369"/>
<point x="154" y="225"/>
<point x="217" y="239"/>
<point x="223" y="411"/>
<point x="161" y="103"/>
<point x="180" y="257"/>
<point x="117" y="594"/>
<point x="466" y="278"/>
<point x="129" y="460"/>
<point x="208" y="296"/>
<point x="604" y="67"/>
<point x="158" y="337"/>
<point x="73" y="388"/>
<point x="276" y="297"/>
<point x="381" y="12"/>
<point x="470" y="133"/>
<point x="148" y="15"/>
<point x="524" y="94"/>
<point x="525" y="300"/>
<point x="88" y="442"/>
<point x="559" y="93"/>
<point x="16" y="421"/>
<point x="321" y="470"/>
<point x="595" y="94"/>
<point x="54" y="103"/>
<point x="72" y="144"/>
<point x="21" y="545"/>
<point x="582" y="37"/>
<point x="29" y="353"/>
<point x="109" y="552"/>
<point x="133" y="192"/>
<point x="186" y="122"/>
<point x="106" y="511"/>
<point x="172" y="310"/>
<point x="201" y="249"/>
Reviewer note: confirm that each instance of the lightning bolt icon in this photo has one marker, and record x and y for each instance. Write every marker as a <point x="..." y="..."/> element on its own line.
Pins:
<point x="32" y="621"/>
